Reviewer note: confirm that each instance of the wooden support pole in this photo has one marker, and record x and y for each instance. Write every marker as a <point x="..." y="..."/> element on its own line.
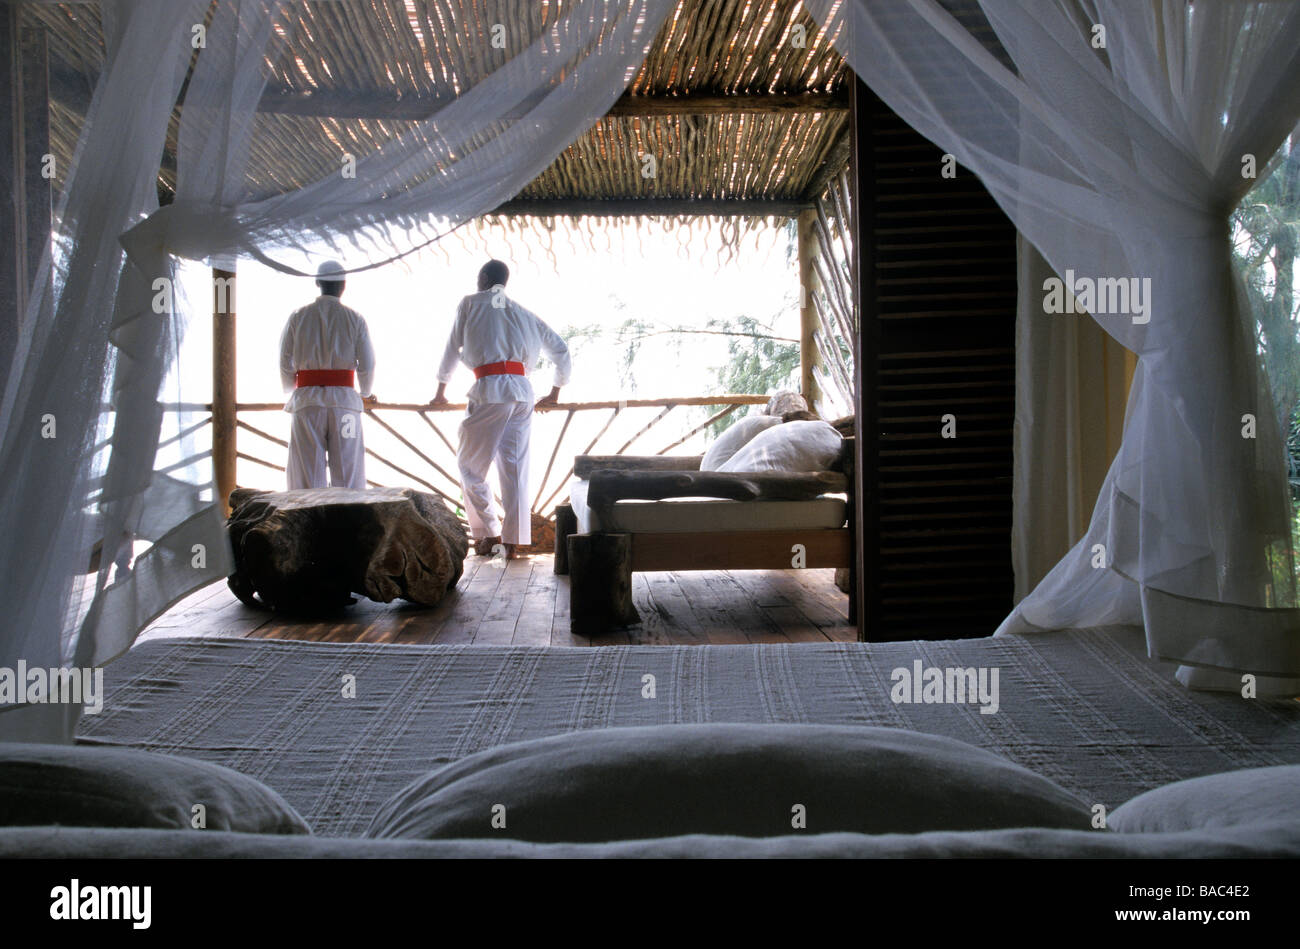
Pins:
<point x="600" y="583"/>
<point x="808" y="321"/>
<point x="25" y="189"/>
<point x="224" y="417"/>
<point x="566" y="523"/>
<point x="866" y="595"/>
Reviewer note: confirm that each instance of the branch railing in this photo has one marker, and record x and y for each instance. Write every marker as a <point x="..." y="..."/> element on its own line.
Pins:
<point x="429" y="463"/>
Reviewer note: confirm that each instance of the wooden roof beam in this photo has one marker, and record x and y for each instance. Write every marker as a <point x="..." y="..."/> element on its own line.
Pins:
<point x="373" y="105"/>
<point x="652" y="207"/>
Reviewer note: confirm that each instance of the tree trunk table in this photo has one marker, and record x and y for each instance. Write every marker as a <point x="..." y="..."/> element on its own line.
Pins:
<point x="310" y="550"/>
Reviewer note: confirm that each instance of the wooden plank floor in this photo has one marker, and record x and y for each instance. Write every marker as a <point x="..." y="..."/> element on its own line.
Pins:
<point x="523" y="603"/>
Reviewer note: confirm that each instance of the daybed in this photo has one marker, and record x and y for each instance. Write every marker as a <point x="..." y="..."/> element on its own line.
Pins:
<point x="641" y="513"/>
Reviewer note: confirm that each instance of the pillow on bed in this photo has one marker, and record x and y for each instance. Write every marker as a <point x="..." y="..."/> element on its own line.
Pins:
<point x="735" y="438"/>
<point x="741" y="780"/>
<point x="1251" y="796"/>
<point x="794" y="446"/>
<point x="80" y="786"/>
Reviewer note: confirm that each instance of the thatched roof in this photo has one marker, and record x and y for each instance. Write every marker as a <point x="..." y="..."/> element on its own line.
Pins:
<point x="743" y="119"/>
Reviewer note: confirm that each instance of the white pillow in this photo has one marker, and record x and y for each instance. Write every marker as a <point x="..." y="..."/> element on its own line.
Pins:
<point x="734" y="439"/>
<point x="794" y="446"/>
<point x="1229" y="799"/>
<point x="740" y="780"/>
<point x="84" y="786"/>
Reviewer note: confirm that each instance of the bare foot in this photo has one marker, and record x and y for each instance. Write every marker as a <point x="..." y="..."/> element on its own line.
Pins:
<point x="487" y="546"/>
<point x="510" y="552"/>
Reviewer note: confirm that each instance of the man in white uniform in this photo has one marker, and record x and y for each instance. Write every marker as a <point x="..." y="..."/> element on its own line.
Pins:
<point x="500" y="341"/>
<point x="324" y="350"/>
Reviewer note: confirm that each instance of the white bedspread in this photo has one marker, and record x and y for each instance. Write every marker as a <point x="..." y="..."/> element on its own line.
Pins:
<point x="1085" y="709"/>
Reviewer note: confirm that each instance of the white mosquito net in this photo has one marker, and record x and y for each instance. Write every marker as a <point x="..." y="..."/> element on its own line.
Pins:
<point x="1117" y="160"/>
<point x="1114" y="135"/>
<point x="511" y="84"/>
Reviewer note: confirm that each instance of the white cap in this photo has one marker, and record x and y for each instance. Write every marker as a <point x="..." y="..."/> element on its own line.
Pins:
<point x="329" y="271"/>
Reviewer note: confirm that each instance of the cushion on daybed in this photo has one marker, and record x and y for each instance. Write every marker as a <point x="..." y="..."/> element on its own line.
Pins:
<point x="794" y="446"/>
<point x="1250" y="796"/>
<point x="742" y="780"/>
<point x="735" y="438"/>
<point x="80" y="786"/>
<point x="686" y="515"/>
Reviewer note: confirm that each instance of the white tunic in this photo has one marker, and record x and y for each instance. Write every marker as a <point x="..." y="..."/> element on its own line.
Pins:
<point x="326" y="334"/>
<point x="490" y="327"/>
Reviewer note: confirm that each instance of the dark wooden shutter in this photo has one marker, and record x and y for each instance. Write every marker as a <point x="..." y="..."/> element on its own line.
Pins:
<point x="936" y="283"/>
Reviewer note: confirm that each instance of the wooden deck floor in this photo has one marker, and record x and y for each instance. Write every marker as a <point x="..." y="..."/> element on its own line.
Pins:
<point x="524" y="603"/>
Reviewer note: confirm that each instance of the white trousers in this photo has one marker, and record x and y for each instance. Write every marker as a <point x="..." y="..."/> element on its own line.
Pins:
<point x="320" y="430"/>
<point x="496" y="431"/>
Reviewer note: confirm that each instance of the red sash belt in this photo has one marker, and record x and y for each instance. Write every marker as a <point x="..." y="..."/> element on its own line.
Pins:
<point x="500" y="369"/>
<point x="326" y="377"/>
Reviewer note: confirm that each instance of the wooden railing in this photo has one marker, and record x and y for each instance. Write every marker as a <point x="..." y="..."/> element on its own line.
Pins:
<point x="429" y="460"/>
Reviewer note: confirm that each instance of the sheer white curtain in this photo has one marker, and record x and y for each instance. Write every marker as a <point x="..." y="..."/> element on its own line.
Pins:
<point x="1116" y="145"/>
<point x="53" y="483"/>
<point x="97" y="368"/>
<point x="1071" y="390"/>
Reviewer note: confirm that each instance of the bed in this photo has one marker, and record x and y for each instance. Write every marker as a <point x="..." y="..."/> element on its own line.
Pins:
<point x="1086" y="709"/>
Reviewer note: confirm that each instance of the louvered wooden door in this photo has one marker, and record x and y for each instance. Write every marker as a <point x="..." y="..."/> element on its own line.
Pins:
<point x="936" y="278"/>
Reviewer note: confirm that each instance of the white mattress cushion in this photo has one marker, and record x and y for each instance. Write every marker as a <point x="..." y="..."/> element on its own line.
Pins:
<point x="793" y="446"/>
<point x="685" y="515"/>
<point x="734" y="439"/>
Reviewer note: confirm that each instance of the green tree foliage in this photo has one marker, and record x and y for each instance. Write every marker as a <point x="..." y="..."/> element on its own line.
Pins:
<point x="1266" y="228"/>
<point x="759" y="361"/>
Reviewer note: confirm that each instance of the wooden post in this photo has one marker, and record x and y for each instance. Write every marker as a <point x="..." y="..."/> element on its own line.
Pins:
<point x="808" y="322"/>
<point x="865" y="598"/>
<point x="223" y="384"/>
<point x="600" y="583"/>
<point x="566" y="523"/>
<point x="25" y="191"/>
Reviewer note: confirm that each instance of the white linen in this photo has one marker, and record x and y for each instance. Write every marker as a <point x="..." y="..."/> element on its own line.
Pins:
<point x="500" y="432"/>
<point x="1116" y="139"/>
<point x="1070" y="392"/>
<point x="490" y="327"/>
<point x="337" y="762"/>
<point x="1256" y="841"/>
<point x="736" y="437"/>
<point x="791" y="446"/>
<point x="321" y="430"/>
<point x="326" y="334"/>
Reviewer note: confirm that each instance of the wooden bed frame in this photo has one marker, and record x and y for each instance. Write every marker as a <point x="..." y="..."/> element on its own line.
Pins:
<point x="600" y="564"/>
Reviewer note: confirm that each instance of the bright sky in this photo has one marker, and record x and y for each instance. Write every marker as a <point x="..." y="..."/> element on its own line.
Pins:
<point x="409" y="307"/>
<point x="651" y="275"/>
